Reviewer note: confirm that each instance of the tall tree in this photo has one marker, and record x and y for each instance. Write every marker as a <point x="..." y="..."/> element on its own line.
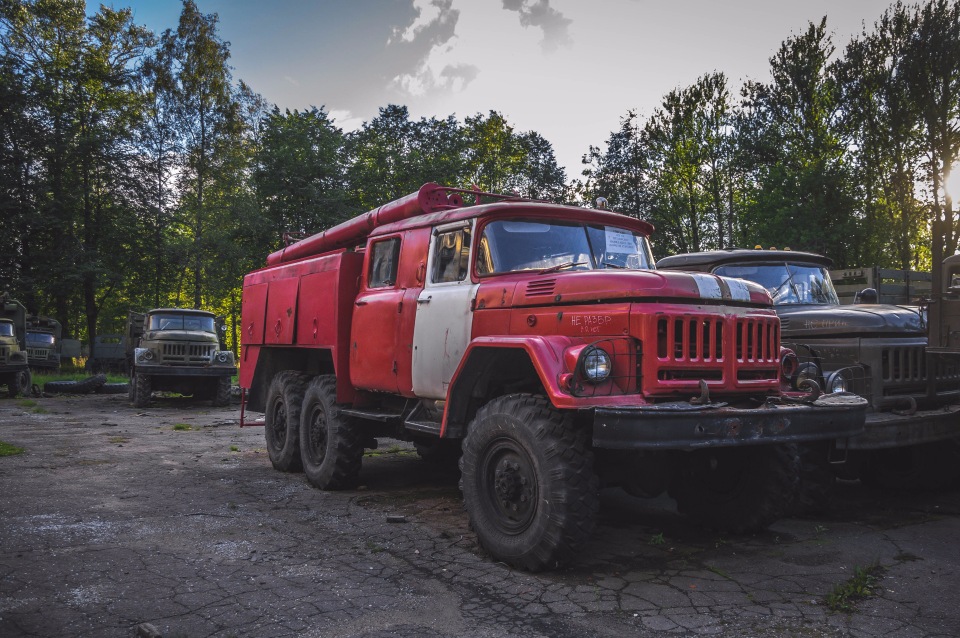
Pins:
<point x="800" y="184"/>
<point x="207" y="113"/>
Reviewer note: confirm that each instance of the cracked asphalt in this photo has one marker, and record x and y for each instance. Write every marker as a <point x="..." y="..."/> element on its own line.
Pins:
<point x="170" y="521"/>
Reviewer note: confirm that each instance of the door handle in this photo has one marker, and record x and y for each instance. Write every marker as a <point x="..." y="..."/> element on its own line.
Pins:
<point x="360" y="303"/>
<point x="422" y="301"/>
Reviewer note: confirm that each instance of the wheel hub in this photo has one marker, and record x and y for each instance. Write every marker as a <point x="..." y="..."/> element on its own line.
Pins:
<point x="510" y="485"/>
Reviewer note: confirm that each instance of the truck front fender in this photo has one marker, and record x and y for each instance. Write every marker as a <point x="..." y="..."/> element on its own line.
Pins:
<point x="492" y="366"/>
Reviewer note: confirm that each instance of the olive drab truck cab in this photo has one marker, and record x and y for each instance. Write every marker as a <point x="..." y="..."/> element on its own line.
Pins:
<point x="44" y="343"/>
<point x="177" y="350"/>
<point x="539" y="340"/>
<point x="875" y="350"/>
<point x="14" y="364"/>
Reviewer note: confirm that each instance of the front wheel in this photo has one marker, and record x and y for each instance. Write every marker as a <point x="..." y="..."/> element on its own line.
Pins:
<point x="221" y="393"/>
<point x="738" y="489"/>
<point x="19" y="383"/>
<point x="142" y="390"/>
<point x="528" y="482"/>
<point x="330" y="445"/>
<point x="925" y="466"/>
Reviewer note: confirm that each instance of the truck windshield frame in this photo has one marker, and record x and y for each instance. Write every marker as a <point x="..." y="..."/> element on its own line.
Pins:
<point x="42" y="338"/>
<point x="788" y="284"/>
<point x="521" y="245"/>
<point x="175" y="321"/>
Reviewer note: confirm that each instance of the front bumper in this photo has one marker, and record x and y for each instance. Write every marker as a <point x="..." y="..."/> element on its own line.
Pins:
<point x="888" y="430"/>
<point x="685" y="426"/>
<point x="184" y="371"/>
<point x="16" y="366"/>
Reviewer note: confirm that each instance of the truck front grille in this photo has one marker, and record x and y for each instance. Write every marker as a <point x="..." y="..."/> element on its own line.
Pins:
<point x="904" y="368"/>
<point x="4" y="354"/>
<point x="691" y="348"/>
<point x="38" y="354"/>
<point x="186" y="353"/>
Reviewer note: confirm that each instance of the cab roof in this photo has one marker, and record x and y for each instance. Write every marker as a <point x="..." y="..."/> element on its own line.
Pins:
<point x="186" y="311"/>
<point x="710" y="259"/>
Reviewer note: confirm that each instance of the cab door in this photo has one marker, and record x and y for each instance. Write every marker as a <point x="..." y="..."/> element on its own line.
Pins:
<point x="444" y="319"/>
<point x="376" y="319"/>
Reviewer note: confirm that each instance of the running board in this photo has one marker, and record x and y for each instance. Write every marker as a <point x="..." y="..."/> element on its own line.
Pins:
<point x="426" y="427"/>
<point x="372" y="415"/>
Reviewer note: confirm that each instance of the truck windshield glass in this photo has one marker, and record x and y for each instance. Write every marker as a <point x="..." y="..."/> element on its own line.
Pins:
<point x="6" y="329"/>
<point x="181" y="322"/>
<point x="511" y="246"/>
<point x="787" y="283"/>
<point x="40" y="338"/>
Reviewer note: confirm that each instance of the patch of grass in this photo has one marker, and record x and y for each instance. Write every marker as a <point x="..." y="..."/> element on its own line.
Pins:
<point x="118" y="439"/>
<point x="234" y="448"/>
<point x="180" y="427"/>
<point x="657" y="539"/>
<point x="42" y="378"/>
<point x="7" y="449"/>
<point x="27" y="403"/>
<point x="858" y="587"/>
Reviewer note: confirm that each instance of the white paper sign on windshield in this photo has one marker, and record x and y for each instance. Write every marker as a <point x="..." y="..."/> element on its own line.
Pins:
<point x="620" y="242"/>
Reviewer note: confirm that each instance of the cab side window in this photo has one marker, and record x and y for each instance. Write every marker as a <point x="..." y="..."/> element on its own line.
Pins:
<point x="451" y="257"/>
<point x="384" y="257"/>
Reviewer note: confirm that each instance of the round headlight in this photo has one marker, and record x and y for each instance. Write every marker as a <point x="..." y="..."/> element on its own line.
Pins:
<point x="836" y="383"/>
<point x="806" y="371"/>
<point x="222" y="357"/>
<point x="596" y="364"/>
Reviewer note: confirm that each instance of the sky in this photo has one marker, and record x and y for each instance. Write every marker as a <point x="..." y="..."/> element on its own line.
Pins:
<point x="567" y="69"/>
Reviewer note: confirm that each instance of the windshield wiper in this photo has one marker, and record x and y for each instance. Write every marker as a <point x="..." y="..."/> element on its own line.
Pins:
<point x="788" y="280"/>
<point x="566" y="264"/>
<point x="610" y="264"/>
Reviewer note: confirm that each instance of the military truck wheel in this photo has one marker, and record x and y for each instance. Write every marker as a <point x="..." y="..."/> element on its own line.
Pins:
<point x="927" y="466"/>
<point x="740" y="489"/>
<point x="440" y="452"/>
<point x="528" y="482"/>
<point x="817" y="480"/>
<point x="282" y="420"/>
<point x="221" y="395"/>
<point x="330" y="445"/>
<point x="19" y="383"/>
<point x="142" y="390"/>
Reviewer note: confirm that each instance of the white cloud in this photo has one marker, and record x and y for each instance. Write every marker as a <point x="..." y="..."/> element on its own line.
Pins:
<point x="539" y="13"/>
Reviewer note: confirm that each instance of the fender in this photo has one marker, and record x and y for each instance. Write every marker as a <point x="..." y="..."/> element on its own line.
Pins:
<point x="479" y="370"/>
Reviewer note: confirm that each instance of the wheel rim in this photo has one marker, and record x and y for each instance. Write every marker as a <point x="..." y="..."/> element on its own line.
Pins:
<point x="279" y="421"/>
<point x="318" y="434"/>
<point x="508" y="479"/>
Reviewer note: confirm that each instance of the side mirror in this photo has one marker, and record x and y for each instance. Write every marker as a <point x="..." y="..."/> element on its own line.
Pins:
<point x="867" y="296"/>
<point x="223" y="328"/>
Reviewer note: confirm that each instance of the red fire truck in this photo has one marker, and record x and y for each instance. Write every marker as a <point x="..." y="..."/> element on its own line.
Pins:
<point x="540" y="340"/>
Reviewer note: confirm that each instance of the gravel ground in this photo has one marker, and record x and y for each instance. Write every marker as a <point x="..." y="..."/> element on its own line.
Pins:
<point x="169" y="521"/>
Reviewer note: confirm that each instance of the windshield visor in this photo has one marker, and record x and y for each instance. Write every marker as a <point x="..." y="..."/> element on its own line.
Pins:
<point x="788" y="284"/>
<point x="513" y="246"/>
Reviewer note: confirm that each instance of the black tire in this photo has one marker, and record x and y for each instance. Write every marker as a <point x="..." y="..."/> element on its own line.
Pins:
<point x="330" y="444"/>
<point x="19" y="383"/>
<point x="221" y="394"/>
<point x="282" y="420"/>
<point x="927" y="466"/>
<point x="528" y="482"/>
<point x="90" y="384"/>
<point x="113" y="388"/>
<point x="142" y="390"/>
<point x="131" y="389"/>
<point x="738" y="489"/>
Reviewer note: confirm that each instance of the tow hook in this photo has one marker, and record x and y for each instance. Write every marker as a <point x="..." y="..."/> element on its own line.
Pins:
<point x="704" y="398"/>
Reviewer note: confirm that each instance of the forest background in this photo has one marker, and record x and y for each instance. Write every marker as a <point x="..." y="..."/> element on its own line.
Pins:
<point x="136" y="172"/>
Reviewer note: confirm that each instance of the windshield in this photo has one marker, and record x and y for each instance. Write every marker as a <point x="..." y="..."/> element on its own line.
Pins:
<point x="180" y="322"/>
<point x="511" y="246"/>
<point x="40" y="338"/>
<point x="6" y="329"/>
<point x="787" y="283"/>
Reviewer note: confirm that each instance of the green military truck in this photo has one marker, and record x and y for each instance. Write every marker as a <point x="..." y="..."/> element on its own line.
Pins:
<point x="44" y="343"/>
<point x="178" y="350"/>
<point x="14" y="367"/>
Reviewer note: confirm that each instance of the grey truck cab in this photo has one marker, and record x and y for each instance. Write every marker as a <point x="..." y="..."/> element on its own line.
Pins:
<point x="875" y="350"/>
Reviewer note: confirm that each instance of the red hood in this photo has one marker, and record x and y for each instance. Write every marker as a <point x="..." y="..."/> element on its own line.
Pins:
<point x="610" y="285"/>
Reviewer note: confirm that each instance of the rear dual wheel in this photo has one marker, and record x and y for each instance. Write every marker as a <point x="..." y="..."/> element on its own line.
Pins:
<point x="330" y="446"/>
<point x="282" y="420"/>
